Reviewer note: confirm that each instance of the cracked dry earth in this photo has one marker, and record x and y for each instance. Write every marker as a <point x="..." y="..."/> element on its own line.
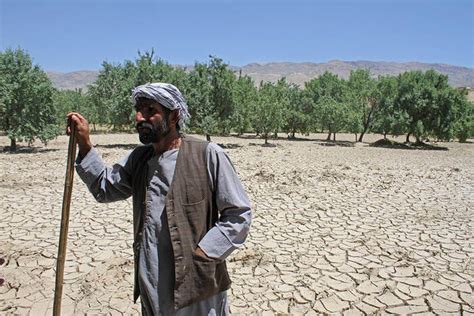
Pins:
<point x="337" y="230"/>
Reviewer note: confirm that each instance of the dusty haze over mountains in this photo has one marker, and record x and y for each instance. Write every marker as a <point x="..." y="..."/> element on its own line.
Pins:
<point x="299" y="72"/>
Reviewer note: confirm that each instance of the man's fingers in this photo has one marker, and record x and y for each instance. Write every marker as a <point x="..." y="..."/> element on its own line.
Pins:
<point x="76" y="118"/>
<point x="70" y="118"/>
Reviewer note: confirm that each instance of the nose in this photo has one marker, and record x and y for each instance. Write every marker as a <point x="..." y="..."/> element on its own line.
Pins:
<point x="139" y="117"/>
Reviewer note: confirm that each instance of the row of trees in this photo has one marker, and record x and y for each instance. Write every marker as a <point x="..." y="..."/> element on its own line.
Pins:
<point x="222" y="100"/>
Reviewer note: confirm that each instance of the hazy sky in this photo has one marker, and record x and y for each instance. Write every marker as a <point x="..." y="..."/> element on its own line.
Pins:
<point x="73" y="35"/>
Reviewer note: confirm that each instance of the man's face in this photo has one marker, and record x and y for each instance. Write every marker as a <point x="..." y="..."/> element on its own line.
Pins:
<point x="152" y="121"/>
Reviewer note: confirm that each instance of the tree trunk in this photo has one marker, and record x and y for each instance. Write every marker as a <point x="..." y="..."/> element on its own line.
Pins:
<point x="366" y="124"/>
<point x="329" y="136"/>
<point x="408" y="138"/>
<point x="355" y="136"/>
<point x="13" y="144"/>
<point x="333" y="137"/>
<point x="266" y="139"/>
<point x="385" y="135"/>
<point x="208" y="137"/>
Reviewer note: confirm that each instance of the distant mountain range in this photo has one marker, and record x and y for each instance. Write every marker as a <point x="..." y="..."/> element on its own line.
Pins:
<point x="299" y="73"/>
<point x="72" y="80"/>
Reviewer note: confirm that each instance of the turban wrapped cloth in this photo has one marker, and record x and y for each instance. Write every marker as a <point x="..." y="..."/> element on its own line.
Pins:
<point x="165" y="94"/>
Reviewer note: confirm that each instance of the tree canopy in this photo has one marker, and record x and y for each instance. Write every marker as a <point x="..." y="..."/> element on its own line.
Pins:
<point x="221" y="101"/>
<point x="26" y="99"/>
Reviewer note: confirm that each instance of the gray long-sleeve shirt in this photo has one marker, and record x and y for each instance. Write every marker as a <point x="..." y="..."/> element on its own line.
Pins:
<point x="155" y="256"/>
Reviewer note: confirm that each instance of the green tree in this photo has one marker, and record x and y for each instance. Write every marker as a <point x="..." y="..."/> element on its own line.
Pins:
<point x="361" y="96"/>
<point x="334" y="115"/>
<point x="110" y="94"/>
<point x="179" y="77"/>
<point x="245" y="99"/>
<point x="4" y="100"/>
<point x="198" y="96"/>
<point x="428" y="102"/>
<point x="353" y="122"/>
<point x="146" y="70"/>
<point x="298" y="112"/>
<point x="443" y="112"/>
<point x="388" y="119"/>
<point x="151" y="69"/>
<point x="282" y="97"/>
<point x="66" y="101"/>
<point x="464" y="123"/>
<point x="222" y="81"/>
<point x="269" y="113"/>
<point x="26" y="103"/>
<point x="327" y="92"/>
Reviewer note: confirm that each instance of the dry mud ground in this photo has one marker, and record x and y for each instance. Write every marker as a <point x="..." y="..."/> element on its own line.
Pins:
<point x="337" y="230"/>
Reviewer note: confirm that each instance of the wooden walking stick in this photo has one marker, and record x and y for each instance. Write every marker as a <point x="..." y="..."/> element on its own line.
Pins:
<point x="71" y="155"/>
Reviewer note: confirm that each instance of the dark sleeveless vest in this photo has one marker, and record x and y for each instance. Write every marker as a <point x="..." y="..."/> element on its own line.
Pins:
<point x="191" y="213"/>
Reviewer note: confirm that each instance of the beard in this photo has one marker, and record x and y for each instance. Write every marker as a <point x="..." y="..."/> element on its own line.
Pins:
<point x="151" y="133"/>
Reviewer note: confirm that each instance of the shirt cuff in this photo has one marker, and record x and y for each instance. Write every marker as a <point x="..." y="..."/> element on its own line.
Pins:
<point x="216" y="245"/>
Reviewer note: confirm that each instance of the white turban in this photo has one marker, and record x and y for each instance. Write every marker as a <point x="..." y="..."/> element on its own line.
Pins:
<point x="165" y="94"/>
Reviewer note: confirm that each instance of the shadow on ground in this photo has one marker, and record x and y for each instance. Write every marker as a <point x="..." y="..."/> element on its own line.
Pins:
<point x="255" y="137"/>
<point x="229" y="146"/>
<point x="26" y="150"/>
<point x="338" y="143"/>
<point x="270" y="145"/>
<point x="122" y="146"/>
<point x="386" y="143"/>
<point x="318" y="141"/>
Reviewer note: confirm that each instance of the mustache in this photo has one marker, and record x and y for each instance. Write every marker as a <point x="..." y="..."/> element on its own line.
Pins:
<point x="144" y="125"/>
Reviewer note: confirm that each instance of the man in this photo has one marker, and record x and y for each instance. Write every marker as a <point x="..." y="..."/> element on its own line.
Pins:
<point x="189" y="208"/>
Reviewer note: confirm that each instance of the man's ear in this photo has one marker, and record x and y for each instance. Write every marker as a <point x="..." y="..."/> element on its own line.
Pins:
<point x="174" y="117"/>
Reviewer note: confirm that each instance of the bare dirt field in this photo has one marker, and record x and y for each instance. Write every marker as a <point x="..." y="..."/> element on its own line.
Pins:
<point x="338" y="229"/>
